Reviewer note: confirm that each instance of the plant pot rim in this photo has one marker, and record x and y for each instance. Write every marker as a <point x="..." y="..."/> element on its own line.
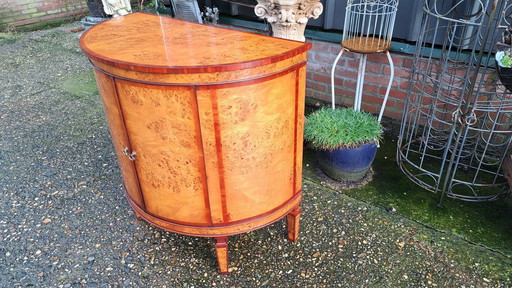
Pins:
<point x="340" y="147"/>
<point x="499" y="55"/>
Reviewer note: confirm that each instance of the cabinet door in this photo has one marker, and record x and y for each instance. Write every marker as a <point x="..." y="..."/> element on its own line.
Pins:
<point x="115" y="120"/>
<point x="164" y="132"/>
<point x="250" y="131"/>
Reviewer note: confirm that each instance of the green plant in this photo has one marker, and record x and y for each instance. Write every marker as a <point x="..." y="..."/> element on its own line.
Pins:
<point x="504" y="54"/>
<point x="330" y="129"/>
<point x="506" y="61"/>
<point x="503" y="59"/>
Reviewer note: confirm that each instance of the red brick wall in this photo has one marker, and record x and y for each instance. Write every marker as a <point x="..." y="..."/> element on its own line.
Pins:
<point x="14" y="13"/>
<point x="320" y="60"/>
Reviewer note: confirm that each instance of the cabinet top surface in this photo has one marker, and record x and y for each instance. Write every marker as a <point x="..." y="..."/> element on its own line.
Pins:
<point x="150" y="43"/>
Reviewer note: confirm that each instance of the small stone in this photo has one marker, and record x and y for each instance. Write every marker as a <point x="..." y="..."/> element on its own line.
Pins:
<point x="317" y="254"/>
<point x="47" y="220"/>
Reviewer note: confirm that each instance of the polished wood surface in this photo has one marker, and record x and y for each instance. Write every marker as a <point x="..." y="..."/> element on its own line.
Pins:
<point x="221" y="249"/>
<point x="206" y="122"/>
<point x="139" y="42"/>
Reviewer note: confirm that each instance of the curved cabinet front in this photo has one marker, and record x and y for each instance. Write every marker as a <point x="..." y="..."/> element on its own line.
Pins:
<point x="210" y="145"/>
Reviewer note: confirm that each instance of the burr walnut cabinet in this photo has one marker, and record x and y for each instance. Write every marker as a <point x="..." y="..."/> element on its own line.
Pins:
<point x="206" y="122"/>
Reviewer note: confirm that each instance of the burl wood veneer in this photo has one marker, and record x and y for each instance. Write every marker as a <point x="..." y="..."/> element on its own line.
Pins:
<point x="206" y="122"/>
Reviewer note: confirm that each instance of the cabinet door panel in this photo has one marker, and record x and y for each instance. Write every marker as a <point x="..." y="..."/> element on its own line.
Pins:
<point x="164" y="132"/>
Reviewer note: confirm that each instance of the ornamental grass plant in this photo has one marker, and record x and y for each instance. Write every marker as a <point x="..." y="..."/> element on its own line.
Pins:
<point x="329" y="129"/>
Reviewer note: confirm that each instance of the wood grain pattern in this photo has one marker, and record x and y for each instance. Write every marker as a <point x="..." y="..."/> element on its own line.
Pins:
<point x="164" y="132"/>
<point x="221" y="230"/>
<point x="115" y="120"/>
<point x="214" y="117"/>
<point x="292" y="223"/>
<point x="221" y="249"/>
<point x="206" y="78"/>
<point x="165" y="45"/>
<point x="254" y="141"/>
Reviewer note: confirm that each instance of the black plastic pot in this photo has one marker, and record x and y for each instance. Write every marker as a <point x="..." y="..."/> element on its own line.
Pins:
<point x="505" y="75"/>
<point x="96" y="8"/>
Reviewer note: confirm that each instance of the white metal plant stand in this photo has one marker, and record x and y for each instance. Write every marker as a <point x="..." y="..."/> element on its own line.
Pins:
<point x="368" y="29"/>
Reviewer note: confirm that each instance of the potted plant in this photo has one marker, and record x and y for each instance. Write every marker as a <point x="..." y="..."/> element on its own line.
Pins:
<point x="345" y="140"/>
<point x="504" y="59"/>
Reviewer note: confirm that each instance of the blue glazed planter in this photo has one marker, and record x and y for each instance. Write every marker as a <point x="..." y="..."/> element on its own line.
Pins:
<point x="348" y="164"/>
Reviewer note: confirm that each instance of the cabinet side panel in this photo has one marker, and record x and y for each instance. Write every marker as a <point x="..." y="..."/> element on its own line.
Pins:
<point x="255" y="139"/>
<point x="164" y="131"/>
<point x="299" y="120"/>
<point x="115" y="122"/>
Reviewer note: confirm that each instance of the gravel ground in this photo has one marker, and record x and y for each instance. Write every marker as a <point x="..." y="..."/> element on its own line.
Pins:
<point x="65" y="222"/>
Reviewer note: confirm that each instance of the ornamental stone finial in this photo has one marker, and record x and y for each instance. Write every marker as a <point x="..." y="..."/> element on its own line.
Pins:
<point x="288" y="18"/>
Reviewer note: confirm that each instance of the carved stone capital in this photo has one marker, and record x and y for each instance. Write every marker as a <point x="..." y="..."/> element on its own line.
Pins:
<point x="288" y="18"/>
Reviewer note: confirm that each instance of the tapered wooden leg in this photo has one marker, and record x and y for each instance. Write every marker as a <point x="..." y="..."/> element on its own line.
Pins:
<point x="292" y="223"/>
<point x="221" y="248"/>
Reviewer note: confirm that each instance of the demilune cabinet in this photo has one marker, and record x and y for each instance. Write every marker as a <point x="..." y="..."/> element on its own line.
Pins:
<point x="206" y="122"/>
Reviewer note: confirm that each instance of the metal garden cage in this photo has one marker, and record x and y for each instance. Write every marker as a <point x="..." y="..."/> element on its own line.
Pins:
<point x="457" y="122"/>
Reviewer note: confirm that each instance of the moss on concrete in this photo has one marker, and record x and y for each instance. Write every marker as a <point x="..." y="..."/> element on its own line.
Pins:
<point x="486" y="223"/>
<point x="8" y="38"/>
<point x="47" y="24"/>
<point x="81" y="85"/>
